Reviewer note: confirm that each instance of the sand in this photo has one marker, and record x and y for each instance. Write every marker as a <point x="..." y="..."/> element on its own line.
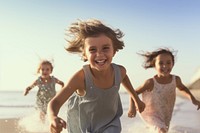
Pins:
<point x="185" y="122"/>
<point x="11" y="125"/>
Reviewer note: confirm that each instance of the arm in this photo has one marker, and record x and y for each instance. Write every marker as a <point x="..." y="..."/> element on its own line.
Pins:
<point x="187" y="92"/>
<point x="30" y="87"/>
<point x="59" y="82"/>
<point x="56" y="123"/>
<point x="147" y="86"/>
<point x="128" y="86"/>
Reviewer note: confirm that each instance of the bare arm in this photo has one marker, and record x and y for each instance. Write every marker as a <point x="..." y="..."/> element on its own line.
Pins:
<point x="146" y="86"/>
<point x="56" y="123"/>
<point x="187" y="92"/>
<point x="59" y="82"/>
<point x="30" y="87"/>
<point x="128" y="86"/>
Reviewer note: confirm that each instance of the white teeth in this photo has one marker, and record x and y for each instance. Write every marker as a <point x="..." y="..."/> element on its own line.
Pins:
<point x="100" y="61"/>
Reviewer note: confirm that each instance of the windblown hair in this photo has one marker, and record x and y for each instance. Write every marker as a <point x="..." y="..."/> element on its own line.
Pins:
<point x="44" y="62"/>
<point x="80" y="30"/>
<point x="151" y="56"/>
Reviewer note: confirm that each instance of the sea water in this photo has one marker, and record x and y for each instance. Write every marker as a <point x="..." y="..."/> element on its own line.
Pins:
<point x="185" y="119"/>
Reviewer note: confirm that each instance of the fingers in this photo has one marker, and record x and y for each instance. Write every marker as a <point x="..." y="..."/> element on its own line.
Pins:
<point x="141" y="108"/>
<point x="57" y="126"/>
<point x="63" y="123"/>
<point x="131" y="114"/>
<point x="56" y="129"/>
<point x="198" y="107"/>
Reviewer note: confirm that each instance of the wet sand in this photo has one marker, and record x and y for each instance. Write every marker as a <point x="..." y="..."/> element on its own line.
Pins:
<point x="10" y="125"/>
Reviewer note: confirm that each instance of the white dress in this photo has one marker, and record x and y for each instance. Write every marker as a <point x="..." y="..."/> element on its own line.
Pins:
<point x="159" y="104"/>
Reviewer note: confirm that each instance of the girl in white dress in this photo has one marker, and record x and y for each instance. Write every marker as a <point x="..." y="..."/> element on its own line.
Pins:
<point x="159" y="92"/>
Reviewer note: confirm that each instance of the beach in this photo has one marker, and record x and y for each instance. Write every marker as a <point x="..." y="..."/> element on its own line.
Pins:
<point x="18" y="115"/>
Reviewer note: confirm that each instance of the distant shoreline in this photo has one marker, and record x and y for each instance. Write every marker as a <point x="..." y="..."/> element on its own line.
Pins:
<point x="195" y="92"/>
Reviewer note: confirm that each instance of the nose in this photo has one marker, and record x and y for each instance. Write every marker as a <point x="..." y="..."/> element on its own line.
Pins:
<point x="164" y="65"/>
<point x="99" y="53"/>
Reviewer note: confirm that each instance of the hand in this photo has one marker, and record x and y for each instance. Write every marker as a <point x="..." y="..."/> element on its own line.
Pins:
<point x="132" y="112"/>
<point x="140" y="106"/>
<point x="57" y="124"/>
<point x="197" y="103"/>
<point x="26" y="91"/>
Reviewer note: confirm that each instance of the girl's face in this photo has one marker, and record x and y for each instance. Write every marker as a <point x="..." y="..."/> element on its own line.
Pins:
<point x="45" y="70"/>
<point x="163" y="64"/>
<point x="99" y="52"/>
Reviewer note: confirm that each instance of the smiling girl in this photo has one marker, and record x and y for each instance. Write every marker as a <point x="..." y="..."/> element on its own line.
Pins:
<point x="94" y="104"/>
<point x="46" y="84"/>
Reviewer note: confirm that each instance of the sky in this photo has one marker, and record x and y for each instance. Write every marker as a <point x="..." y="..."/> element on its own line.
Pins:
<point x="34" y="30"/>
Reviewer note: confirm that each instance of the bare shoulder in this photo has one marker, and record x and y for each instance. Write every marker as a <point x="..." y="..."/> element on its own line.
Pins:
<point x="78" y="77"/>
<point x="179" y="83"/>
<point x="148" y="84"/>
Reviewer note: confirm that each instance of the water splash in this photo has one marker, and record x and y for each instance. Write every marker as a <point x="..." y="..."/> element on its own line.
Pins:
<point x="32" y="123"/>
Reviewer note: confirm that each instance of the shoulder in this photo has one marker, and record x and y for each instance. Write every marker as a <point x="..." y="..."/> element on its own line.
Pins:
<point x="38" y="80"/>
<point x="146" y="86"/>
<point x="178" y="80"/>
<point x="78" y="77"/>
<point x="149" y="82"/>
<point x="122" y="70"/>
<point x="79" y="74"/>
<point x="53" y="78"/>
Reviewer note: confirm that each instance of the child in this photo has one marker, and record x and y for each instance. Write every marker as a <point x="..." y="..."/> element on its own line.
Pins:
<point x="159" y="92"/>
<point x="46" y="85"/>
<point x="92" y="96"/>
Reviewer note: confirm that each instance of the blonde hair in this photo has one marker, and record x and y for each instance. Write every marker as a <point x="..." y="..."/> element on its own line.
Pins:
<point x="44" y="62"/>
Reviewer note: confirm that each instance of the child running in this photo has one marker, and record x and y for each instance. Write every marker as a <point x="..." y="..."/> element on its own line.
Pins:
<point x="46" y="84"/>
<point x="159" y="92"/>
<point x="92" y="96"/>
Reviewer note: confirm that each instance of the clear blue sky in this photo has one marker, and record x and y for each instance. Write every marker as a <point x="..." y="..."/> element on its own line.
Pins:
<point x="34" y="29"/>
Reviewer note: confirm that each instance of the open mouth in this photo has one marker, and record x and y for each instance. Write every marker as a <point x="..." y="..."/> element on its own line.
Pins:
<point x="100" y="62"/>
<point x="165" y="70"/>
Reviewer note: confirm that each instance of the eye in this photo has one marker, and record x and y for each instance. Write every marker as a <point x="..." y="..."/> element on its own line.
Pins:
<point x="106" y="48"/>
<point x="160" y="63"/>
<point x="45" y="69"/>
<point x="92" y="50"/>
<point x="169" y="62"/>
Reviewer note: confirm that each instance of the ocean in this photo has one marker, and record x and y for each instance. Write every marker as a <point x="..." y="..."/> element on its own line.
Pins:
<point x="185" y="119"/>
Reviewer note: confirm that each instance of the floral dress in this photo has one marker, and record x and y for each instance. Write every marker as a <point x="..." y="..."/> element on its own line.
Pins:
<point x="45" y="93"/>
<point x="159" y="104"/>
